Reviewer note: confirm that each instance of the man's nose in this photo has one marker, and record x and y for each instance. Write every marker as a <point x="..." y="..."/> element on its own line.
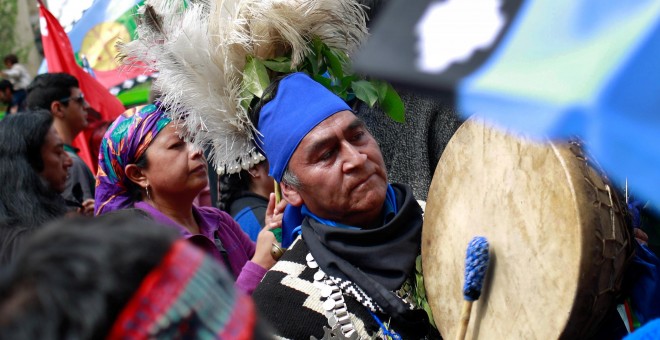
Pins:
<point x="352" y="157"/>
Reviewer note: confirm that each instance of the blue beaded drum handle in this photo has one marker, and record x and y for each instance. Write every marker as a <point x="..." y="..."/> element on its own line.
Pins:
<point x="476" y="263"/>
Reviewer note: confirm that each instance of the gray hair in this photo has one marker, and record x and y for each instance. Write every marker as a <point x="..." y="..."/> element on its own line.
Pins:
<point x="291" y="179"/>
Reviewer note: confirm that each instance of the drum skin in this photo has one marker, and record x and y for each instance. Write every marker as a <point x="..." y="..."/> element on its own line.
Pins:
<point x="559" y="242"/>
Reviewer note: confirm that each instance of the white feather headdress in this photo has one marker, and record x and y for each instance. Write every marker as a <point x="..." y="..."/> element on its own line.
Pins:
<point x="200" y="48"/>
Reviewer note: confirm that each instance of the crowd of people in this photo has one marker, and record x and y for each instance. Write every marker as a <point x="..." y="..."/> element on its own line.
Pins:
<point x="358" y="238"/>
<point x="130" y="252"/>
<point x="335" y="174"/>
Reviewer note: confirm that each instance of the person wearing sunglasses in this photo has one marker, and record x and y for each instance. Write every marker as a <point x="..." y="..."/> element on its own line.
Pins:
<point x="60" y="94"/>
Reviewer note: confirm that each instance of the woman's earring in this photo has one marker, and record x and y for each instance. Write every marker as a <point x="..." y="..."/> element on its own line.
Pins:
<point x="148" y="195"/>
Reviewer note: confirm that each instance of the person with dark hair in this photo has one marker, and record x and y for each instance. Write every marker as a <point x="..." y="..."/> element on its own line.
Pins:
<point x="244" y="196"/>
<point x="14" y="103"/>
<point x="352" y="270"/>
<point x="60" y="94"/>
<point x="33" y="171"/>
<point x="120" y="276"/>
<point x="19" y="78"/>
<point x="144" y="163"/>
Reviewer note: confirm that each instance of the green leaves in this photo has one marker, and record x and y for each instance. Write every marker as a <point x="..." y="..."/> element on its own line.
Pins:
<point x="419" y="291"/>
<point x="323" y="81"/>
<point x="390" y="101"/>
<point x="329" y="67"/>
<point x="279" y="64"/>
<point x="334" y="62"/>
<point x="255" y="77"/>
<point x="365" y="91"/>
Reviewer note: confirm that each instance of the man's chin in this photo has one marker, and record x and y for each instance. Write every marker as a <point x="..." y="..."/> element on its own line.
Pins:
<point x="375" y="191"/>
<point x="369" y="203"/>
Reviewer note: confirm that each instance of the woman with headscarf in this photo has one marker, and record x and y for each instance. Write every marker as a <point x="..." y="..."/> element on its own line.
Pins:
<point x="143" y="163"/>
<point x="33" y="171"/>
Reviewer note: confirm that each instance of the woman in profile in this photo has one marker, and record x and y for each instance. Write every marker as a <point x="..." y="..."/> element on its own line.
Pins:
<point x="143" y="163"/>
<point x="33" y="171"/>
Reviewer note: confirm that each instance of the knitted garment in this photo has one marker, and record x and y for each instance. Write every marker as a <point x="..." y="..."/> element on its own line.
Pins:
<point x="292" y="304"/>
<point x="416" y="144"/>
<point x="187" y="296"/>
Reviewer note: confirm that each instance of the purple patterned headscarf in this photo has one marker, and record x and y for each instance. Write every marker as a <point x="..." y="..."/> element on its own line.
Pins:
<point x="124" y="143"/>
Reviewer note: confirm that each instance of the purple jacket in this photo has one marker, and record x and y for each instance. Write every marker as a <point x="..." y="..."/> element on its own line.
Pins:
<point x="214" y="222"/>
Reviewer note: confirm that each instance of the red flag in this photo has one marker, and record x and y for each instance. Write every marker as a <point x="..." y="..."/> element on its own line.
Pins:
<point x="59" y="54"/>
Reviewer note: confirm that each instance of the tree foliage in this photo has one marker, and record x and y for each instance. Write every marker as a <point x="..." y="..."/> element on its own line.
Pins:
<point x="8" y="43"/>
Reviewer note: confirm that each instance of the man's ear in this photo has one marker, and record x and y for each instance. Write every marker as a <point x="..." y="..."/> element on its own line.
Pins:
<point x="291" y="195"/>
<point x="136" y="175"/>
<point x="56" y="109"/>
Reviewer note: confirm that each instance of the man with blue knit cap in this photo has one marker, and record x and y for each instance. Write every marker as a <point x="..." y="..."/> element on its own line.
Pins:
<point x="352" y="271"/>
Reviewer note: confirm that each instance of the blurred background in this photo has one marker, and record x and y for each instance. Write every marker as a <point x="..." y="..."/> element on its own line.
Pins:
<point x="93" y="32"/>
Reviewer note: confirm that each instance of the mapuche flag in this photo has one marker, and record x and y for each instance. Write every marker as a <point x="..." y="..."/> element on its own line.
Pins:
<point x="59" y="55"/>
<point x="545" y="68"/>
<point x="96" y="34"/>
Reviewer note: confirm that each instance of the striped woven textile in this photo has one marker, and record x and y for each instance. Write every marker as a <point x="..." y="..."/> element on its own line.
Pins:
<point x="188" y="295"/>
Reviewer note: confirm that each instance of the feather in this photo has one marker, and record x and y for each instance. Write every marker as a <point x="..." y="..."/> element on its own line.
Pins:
<point x="152" y="20"/>
<point x="200" y="49"/>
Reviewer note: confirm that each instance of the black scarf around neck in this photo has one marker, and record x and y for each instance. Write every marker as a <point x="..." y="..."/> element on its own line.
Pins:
<point x="378" y="260"/>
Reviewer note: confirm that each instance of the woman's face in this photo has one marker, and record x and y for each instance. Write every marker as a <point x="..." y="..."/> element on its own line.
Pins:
<point x="175" y="169"/>
<point x="56" y="161"/>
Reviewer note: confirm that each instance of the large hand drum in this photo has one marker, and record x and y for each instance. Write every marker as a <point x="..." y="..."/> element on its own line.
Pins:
<point x="559" y="240"/>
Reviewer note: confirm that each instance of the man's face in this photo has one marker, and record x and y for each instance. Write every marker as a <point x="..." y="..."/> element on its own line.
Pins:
<point x="56" y="161"/>
<point x="341" y="171"/>
<point x="74" y="111"/>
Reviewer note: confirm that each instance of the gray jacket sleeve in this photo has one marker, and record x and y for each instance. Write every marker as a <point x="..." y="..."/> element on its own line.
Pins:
<point x="79" y="173"/>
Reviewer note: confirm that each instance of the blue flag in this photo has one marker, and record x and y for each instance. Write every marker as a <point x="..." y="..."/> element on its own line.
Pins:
<point x="546" y="69"/>
<point x="585" y="68"/>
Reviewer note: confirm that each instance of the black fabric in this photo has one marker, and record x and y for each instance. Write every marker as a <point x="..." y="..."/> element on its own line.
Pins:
<point x="377" y="260"/>
<point x="12" y="238"/>
<point x="80" y="179"/>
<point x="223" y="252"/>
<point x="247" y="199"/>
<point x="612" y="327"/>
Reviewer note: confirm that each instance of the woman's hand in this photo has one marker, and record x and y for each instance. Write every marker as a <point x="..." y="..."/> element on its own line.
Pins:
<point x="266" y="238"/>
<point x="87" y="208"/>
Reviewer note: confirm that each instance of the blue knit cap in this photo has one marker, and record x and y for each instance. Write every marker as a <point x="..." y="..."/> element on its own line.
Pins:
<point x="298" y="107"/>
